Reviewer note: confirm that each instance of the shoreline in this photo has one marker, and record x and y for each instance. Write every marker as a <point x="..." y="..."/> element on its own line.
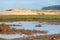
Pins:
<point x="28" y="19"/>
<point x="45" y="37"/>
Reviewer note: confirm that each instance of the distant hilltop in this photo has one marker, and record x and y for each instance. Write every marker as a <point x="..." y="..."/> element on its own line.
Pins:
<point x="29" y="12"/>
<point x="55" y="7"/>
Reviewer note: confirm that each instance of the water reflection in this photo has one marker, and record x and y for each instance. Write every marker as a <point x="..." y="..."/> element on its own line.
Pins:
<point x="51" y="27"/>
<point x="12" y="36"/>
<point x="30" y="25"/>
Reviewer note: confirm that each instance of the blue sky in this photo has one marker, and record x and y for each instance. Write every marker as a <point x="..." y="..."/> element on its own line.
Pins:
<point x="28" y="4"/>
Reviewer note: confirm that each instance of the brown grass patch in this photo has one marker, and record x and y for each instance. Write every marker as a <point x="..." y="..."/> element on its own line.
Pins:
<point x="5" y="29"/>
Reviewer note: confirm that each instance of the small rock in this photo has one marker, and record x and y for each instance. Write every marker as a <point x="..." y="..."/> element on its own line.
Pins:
<point x="39" y="25"/>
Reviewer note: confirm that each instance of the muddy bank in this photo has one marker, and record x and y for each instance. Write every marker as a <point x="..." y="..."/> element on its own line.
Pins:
<point x="46" y="37"/>
<point x="28" y="19"/>
<point x="2" y="39"/>
<point x="5" y="29"/>
<point x="14" y="25"/>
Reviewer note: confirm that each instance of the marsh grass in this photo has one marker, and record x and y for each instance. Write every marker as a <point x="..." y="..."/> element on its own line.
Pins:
<point x="32" y="16"/>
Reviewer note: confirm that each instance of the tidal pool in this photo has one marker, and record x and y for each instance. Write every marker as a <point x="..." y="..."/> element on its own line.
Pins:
<point x="51" y="27"/>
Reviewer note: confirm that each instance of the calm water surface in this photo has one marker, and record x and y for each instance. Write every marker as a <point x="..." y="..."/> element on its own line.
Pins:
<point x="51" y="27"/>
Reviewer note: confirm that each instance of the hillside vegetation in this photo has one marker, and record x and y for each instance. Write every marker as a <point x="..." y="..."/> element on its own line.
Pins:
<point x="54" y="7"/>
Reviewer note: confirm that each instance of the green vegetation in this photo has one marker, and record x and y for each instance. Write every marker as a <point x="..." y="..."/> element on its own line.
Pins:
<point x="33" y="16"/>
<point x="30" y="18"/>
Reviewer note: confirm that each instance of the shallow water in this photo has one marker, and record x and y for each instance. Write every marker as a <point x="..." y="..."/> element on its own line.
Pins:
<point x="51" y="27"/>
<point x="11" y="36"/>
